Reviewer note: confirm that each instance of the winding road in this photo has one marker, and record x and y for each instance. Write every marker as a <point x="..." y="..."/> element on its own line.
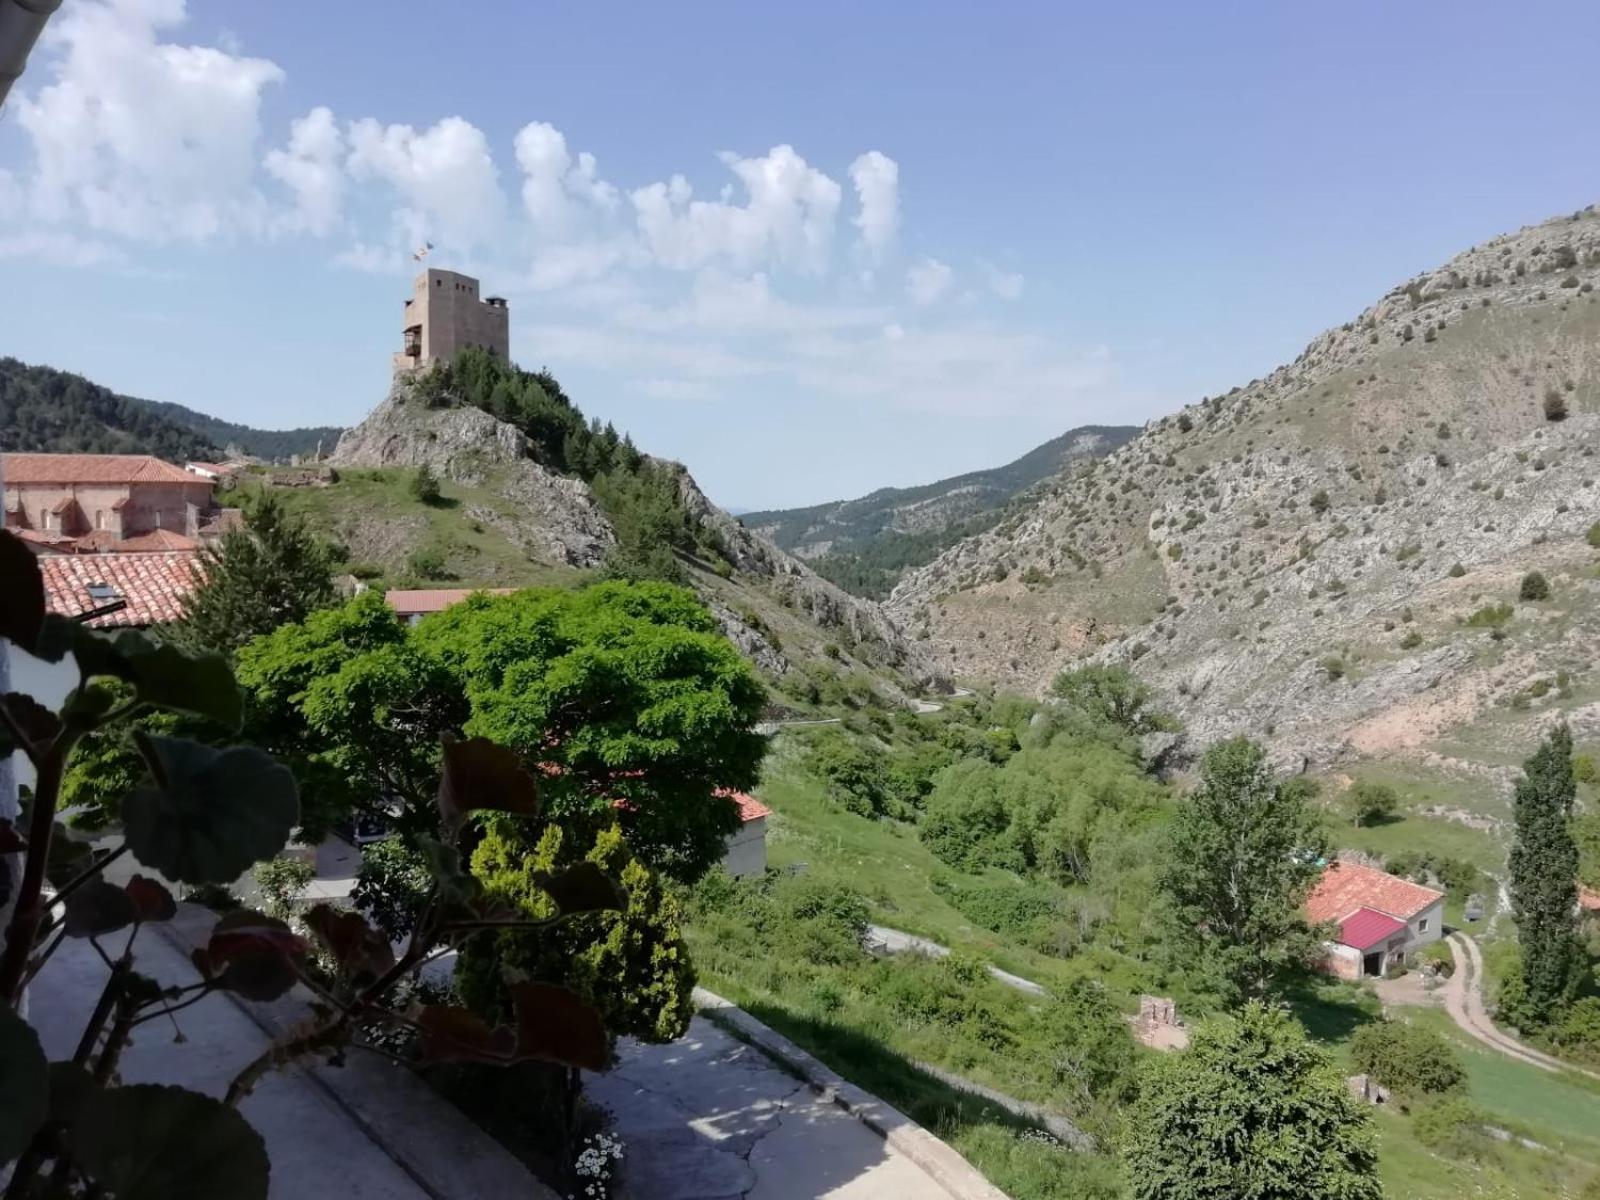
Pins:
<point x="1463" y="1000"/>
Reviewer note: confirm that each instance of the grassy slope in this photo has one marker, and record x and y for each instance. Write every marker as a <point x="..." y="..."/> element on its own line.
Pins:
<point x="894" y="869"/>
<point x="374" y="517"/>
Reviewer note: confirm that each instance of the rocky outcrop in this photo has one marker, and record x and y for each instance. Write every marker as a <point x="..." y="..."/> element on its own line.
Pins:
<point x="554" y="518"/>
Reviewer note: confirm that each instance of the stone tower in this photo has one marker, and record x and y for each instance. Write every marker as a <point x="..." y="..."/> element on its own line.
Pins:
<point x="444" y="315"/>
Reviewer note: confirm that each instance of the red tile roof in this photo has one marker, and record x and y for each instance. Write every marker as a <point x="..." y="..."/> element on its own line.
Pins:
<point x="1345" y="887"/>
<point x="156" y="539"/>
<point x="750" y="809"/>
<point x="1588" y="899"/>
<point x="407" y="601"/>
<point x="1367" y="927"/>
<point x="92" y="468"/>
<point x="154" y="585"/>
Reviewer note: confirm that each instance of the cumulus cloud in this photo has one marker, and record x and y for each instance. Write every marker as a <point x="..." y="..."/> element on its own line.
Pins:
<point x="555" y="186"/>
<point x="929" y="282"/>
<point x="1005" y="284"/>
<point x="445" y="174"/>
<point x="312" y="168"/>
<point x="141" y="138"/>
<point x="877" y="182"/>
<point x="788" y="217"/>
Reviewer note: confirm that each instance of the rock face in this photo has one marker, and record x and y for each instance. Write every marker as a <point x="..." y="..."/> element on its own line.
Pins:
<point x="557" y="519"/>
<point x="1315" y="557"/>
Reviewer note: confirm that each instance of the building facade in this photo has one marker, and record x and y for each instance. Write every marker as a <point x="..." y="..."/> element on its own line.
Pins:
<point x="445" y="316"/>
<point x="1379" y="920"/>
<point x="103" y="501"/>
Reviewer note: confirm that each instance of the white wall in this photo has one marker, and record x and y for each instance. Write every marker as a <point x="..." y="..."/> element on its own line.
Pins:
<point x="1427" y="926"/>
<point x="747" y="849"/>
<point x="48" y="683"/>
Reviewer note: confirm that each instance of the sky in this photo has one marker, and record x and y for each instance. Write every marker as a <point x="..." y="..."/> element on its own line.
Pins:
<point x="809" y="250"/>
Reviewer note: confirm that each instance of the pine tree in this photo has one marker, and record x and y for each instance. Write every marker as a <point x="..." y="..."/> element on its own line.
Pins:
<point x="272" y="573"/>
<point x="1544" y="879"/>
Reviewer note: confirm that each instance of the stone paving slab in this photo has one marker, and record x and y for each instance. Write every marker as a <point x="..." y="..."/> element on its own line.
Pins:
<point x="711" y="1118"/>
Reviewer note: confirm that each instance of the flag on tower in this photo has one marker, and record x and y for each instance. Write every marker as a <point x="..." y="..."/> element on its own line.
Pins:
<point x="421" y="254"/>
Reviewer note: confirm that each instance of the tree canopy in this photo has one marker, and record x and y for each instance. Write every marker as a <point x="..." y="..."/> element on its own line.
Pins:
<point x="625" y="696"/>
<point x="1242" y="855"/>
<point x="1253" y="1110"/>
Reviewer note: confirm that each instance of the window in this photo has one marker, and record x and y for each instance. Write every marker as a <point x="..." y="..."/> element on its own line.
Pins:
<point x="1422" y="925"/>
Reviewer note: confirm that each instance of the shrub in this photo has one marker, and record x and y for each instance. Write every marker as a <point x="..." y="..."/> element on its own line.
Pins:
<point x="1534" y="587"/>
<point x="424" y="485"/>
<point x="428" y="563"/>
<point x="1490" y="616"/>
<point x="1578" y="1030"/>
<point x="1593" y="536"/>
<point x="1457" y="571"/>
<point x="392" y="886"/>
<point x="1451" y="1126"/>
<point x="1439" y="956"/>
<point x="1333" y="667"/>
<point x="1407" y="1059"/>
<point x="1373" y="803"/>
<point x="282" y="882"/>
<point x="1320" y="503"/>
<point x="1555" y="405"/>
<point x="1411" y="641"/>
<point x="1584" y="769"/>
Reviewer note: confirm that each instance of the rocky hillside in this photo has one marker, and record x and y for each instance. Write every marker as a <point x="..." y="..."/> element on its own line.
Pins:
<point x="1333" y="556"/>
<point x="772" y="605"/>
<point x="865" y="545"/>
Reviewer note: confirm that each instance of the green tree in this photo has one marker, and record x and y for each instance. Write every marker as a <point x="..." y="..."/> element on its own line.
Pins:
<point x="1534" y="586"/>
<point x="1251" y="1110"/>
<point x="631" y="965"/>
<point x="1094" y="1054"/>
<point x="1241" y="856"/>
<point x="424" y="485"/>
<point x="1409" y="1059"/>
<point x="1544" y="879"/>
<point x="1111" y="694"/>
<point x="273" y="572"/>
<point x="634" y="706"/>
<point x="1372" y="803"/>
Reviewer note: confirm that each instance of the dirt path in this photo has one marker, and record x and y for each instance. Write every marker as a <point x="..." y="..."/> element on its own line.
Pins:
<point x="1463" y="1000"/>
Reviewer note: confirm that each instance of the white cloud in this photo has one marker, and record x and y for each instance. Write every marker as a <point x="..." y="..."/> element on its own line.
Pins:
<point x="788" y="219"/>
<point x="141" y="138"/>
<point x="312" y="169"/>
<point x="929" y="282"/>
<point x="1005" y="284"/>
<point x="58" y="247"/>
<point x="445" y="175"/>
<point x="877" y="181"/>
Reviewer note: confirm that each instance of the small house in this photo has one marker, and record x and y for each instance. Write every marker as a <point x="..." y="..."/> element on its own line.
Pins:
<point x="1379" y="919"/>
<point x="746" y="853"/>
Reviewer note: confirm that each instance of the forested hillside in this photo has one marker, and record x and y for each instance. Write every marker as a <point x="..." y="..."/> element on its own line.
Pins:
<point x="865" y="545"/>
<point x="46" y="410"/>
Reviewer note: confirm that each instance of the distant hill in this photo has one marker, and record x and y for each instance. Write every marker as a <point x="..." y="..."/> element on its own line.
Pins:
<point x="43" y="409"/>
<point x="865" y="545"/>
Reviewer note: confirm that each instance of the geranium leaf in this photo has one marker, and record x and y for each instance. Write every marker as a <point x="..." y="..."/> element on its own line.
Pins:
<point x="207" y="815"/>
<point x="98" y="907"/>
<point x="553" y="1025"/>
<point x="24" y="1084"/>
<point x="70" y="1086"/>
<point x="151" y="901"/>
<point x="583" y="888"/>
<point x="152" y="1141"/>
<point x="452" y="1034"/>
<point x="163" y="675"/>
<point x="253" y="955"/>
<point x="21" y="592"/>
<point x="358" y="948"/>
<point x="480" y="774"/>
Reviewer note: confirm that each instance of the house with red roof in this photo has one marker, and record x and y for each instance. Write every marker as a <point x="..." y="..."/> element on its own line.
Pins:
<point x="104" y="503"/>
<point x="1379" y="920"/>
<point x="747" y="846"/>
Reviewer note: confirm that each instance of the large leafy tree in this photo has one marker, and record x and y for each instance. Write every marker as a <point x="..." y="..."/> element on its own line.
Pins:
<point x="1251" y="1111"/>
<point x="1544" y="875"/>
<point x="273" y="572"/>
<point x="626" y="697"/>
<point x="1242" y="855"/>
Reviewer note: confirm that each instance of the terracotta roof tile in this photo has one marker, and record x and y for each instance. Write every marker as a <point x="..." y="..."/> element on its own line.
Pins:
<point x="92" y="468"/>
<point x="1345" y="887"/>
<point x="430" y="600"/>
<point x="154" y="585"/>
<point x="750" y="809"/>
<point x="1367" y="927"/>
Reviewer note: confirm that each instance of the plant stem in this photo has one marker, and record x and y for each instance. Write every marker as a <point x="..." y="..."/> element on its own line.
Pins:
<point x="29" y="912"/>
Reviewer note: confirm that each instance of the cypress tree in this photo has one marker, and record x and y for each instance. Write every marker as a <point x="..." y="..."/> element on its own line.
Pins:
<point x="1544" y="878"/>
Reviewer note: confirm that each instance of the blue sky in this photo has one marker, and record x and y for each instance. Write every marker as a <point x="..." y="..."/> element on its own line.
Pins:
<point x="817" y="248"/>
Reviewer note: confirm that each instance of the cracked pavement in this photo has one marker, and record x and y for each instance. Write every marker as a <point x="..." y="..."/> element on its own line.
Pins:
<point x="710" y="1118"/>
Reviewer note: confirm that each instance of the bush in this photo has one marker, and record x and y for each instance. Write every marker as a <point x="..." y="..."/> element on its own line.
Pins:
<point x="856" y="779"/>
<point x="1439" y="956"/>
<point x="1373" y="803"/>
<point x="1534" y="587"/>
<point x="1320" y="503"/>
<point x="392" y="886"/>
<point x="1451" y="1126"/>
<point x="427" y="562"/>
<point x="1456" y="571"/>
<point x="424" y="485"/>
<point x="1593" y="536"/>
<point x="1490" y="616"/>
<point x="818" y="921"/>
<point x="282" y="881"/>
<point x="1409" y="1060"/>
<point x="1555" y="405"/>
<point x="1333" y="667"/>
<point x="1578" y="1030"/>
